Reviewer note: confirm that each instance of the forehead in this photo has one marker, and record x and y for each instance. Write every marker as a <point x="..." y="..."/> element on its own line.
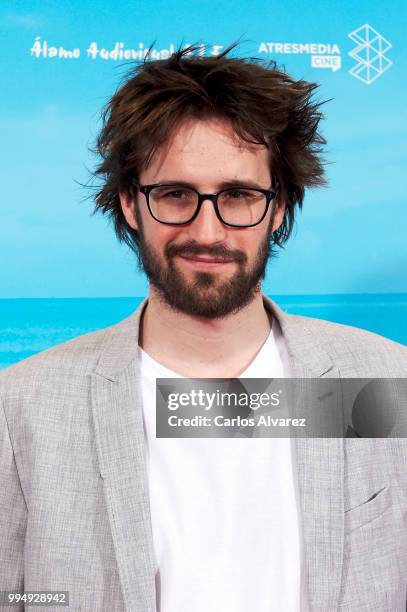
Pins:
<point x="200" y="148"/>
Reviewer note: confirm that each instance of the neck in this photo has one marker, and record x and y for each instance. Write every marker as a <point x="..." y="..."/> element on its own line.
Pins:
<point x="197" y="346"/>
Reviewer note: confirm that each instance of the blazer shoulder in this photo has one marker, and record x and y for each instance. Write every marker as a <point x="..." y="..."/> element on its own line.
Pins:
<point x="341" y="332"/>
<point x="353" y="346"/>
<point x="76" y="357"/>
<point x="69" y="365"/>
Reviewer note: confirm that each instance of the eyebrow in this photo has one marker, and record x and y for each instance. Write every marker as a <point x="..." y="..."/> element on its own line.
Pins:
<point x="222" y="185"/>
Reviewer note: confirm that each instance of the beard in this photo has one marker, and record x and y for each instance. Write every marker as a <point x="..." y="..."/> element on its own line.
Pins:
<point x="207" y="295"/>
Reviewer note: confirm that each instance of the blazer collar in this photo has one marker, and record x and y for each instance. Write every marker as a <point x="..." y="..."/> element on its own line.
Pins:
<point x="308" y="358"/>
<point x="120" y="345"/>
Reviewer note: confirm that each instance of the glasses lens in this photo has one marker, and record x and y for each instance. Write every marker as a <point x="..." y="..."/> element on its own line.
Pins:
<point x="241" y="206"/>
<point x="173" y="203"/>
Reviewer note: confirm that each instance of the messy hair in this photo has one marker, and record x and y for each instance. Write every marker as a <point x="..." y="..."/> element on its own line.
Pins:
<point x="263" y="104"/>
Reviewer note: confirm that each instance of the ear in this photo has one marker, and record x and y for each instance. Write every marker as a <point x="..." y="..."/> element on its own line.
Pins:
<point x="127" y="203"/>
<point x="279" y="212"/>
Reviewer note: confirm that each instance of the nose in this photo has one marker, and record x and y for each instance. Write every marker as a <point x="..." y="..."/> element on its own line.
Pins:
<point x="206" y="227"/>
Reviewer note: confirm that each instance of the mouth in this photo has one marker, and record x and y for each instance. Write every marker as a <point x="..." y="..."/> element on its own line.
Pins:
<point x="204" y="261"/>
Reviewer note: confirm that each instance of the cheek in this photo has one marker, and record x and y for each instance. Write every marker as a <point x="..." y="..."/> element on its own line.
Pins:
<point x="251" y="239"/>
<point x="159" y="235"/>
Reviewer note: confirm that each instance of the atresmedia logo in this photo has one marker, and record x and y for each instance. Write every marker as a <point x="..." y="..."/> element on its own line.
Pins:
<point x="369" y="54"/>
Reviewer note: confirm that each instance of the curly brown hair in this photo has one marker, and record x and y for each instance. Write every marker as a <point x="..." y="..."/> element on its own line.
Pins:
<point x="263" y="104"/>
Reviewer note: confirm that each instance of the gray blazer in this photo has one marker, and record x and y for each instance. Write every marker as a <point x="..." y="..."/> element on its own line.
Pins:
<point x="74" y="505"/>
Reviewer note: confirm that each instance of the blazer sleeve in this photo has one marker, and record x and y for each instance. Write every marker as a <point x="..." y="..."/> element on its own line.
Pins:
<point x="13" y="517"/>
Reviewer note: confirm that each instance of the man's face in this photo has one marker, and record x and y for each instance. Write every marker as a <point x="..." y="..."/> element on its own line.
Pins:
<point x="204" y="268"/>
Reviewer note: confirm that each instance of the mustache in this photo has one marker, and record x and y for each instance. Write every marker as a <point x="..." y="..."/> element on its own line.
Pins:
<point x="193" y="249"/>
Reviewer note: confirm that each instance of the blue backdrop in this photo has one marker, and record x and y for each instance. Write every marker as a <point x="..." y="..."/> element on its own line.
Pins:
<point x="61" y="61"/>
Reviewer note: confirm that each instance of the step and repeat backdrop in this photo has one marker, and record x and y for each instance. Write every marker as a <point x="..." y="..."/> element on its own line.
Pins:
<point x="63" y="271"/>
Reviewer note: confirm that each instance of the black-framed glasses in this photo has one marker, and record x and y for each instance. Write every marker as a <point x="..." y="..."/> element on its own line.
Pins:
<point x="177" y="204"/>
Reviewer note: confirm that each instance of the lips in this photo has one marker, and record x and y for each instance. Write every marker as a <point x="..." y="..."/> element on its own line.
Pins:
<point x="204" y="259"/>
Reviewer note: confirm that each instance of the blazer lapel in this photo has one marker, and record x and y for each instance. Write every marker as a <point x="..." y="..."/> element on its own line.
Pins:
<point x="119" y="432"/>
<point x="320" y="474"/>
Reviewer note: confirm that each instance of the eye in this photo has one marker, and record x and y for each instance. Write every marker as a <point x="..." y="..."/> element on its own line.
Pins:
<point x="172" y="193"/>
<point x="237" y="193"/>
<point x="242" y="194"/>
<point x="179" y="193"/>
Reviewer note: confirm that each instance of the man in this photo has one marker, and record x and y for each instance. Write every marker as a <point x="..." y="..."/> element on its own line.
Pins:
<point x="91" y="501"/>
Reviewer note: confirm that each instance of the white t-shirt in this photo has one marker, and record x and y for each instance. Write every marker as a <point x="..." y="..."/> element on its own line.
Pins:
<point x="225" y="522"/>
